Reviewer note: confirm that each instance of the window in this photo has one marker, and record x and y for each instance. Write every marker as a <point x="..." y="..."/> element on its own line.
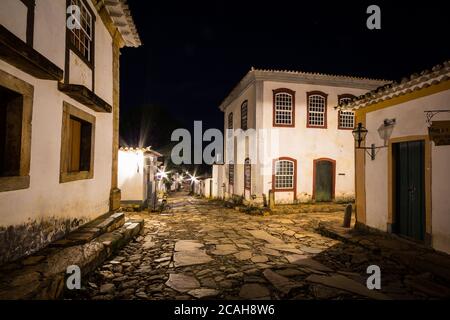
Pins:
<point x="16" y="103"/>
<point x="81" y="39"/>
<point x="231" y="174"/>
<point x="346" y="117"/>
<point x="284" y="174"/>
<point x="230" y="120"/>
<point x="11" y="108"/>
<point x="283" y="108"/>
<point x="247" y="174"/>
<point x="244" y="115"/>
<point x="77" y="144"/>
<point x="317" y="109"/>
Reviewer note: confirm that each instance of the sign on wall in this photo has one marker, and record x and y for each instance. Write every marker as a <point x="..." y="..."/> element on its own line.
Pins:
<point x="439" y="132"/>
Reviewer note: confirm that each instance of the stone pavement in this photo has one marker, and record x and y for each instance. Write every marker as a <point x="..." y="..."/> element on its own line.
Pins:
<point x="200" y="249"/>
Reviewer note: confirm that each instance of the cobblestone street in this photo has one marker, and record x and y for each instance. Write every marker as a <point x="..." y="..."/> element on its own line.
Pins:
<point x="199" y="249"/>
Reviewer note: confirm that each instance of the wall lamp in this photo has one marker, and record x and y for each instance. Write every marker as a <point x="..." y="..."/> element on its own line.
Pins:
<point x="360" y="133"/>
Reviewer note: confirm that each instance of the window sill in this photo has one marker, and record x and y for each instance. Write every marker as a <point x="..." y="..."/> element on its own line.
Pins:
<point x="75" y="176"/>
<point x="17" y="53"/>
<point x="14" y="183"/>
<point x="284" y="125"/>
<point x="85" y="96"/>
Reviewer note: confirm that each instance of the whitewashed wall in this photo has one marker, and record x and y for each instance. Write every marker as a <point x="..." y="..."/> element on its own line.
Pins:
<point x="46" y="197"/>
<point x="131" y="175"/>
<point x="13" y="16"/>
<point x="47" y="201"/>
<point x="239" y="149"/>
<point x="410" y="121"/>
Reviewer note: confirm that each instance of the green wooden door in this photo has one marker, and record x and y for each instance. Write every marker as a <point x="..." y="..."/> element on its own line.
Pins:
<point x="324" y="181"/>
<point x="410" y="189"/>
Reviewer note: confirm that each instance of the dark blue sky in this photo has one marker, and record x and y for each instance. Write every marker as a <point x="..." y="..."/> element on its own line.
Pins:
<point x="195" y="52"/>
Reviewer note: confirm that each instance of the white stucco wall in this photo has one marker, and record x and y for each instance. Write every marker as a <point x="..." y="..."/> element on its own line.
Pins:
<point x="131" y="175"/>
<point x="46" y="196"/>
<point x="103" y="62"/>
<point x="80" y="73"/>
<point x="49" y="30"/>
<point x="240" y="153"/>
<point x="217" y="177"/>
<point x="410" y="121"/>
<point x="13" y="16"/>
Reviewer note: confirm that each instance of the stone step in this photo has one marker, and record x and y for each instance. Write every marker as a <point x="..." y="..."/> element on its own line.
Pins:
<point x="42" y="275"/>
<point x="91" y="230"/>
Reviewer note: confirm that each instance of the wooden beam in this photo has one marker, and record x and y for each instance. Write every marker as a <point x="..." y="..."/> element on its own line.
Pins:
<point x="85" y="96"/>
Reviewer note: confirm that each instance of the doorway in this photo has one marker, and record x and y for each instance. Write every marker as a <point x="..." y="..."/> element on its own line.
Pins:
<point x="324" y="180"/>
<point x="409" y="189"/>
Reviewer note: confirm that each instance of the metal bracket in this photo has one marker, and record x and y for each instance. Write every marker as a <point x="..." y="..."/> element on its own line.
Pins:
<point x="431" y="113"/>
<point x="372" y="150"/>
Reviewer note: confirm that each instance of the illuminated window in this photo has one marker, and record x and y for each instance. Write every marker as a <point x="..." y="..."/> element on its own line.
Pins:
<point x="283" y="107"/>
<point x="346" y="117"/>
<point x="284" y="174"/>
<point x="317" y="109"/>
<point x="81" y="38"/>
<point x="247" y="174"/>
<point x="244" y="115"/>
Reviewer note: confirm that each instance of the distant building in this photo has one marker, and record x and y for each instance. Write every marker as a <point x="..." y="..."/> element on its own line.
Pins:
<point x="137" y="176"/>
<point x="404" y="188"/>
<point x="59" y="116"/>
<point x="310" y="156"/>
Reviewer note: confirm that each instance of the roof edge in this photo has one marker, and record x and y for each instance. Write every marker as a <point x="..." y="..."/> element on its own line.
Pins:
<point x="414" y="82"/>
<point x="299" y="77"/>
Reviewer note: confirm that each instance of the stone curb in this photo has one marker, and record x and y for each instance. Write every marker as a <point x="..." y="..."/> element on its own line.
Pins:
<point x="45" y="278"/>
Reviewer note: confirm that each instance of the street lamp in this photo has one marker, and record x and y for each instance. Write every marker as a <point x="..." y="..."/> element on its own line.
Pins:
<point x="360" y="133"/>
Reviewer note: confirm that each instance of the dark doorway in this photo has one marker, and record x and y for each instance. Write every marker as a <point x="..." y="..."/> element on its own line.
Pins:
<point x="324" y="171"/>
<point x="409" y="175"/>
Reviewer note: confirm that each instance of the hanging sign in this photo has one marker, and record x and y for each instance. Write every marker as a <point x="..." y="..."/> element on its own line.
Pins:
<point x="439" y="132"/>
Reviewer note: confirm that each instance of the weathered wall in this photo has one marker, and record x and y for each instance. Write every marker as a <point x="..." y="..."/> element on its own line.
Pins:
<point x="32" y="217"/>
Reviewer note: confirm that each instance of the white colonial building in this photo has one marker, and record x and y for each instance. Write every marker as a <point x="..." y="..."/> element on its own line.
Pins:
<point x="402" y="187"/>
<point x="304" y="148"/>
<point x="138" y="168"/>
<point x="59" y="116"/>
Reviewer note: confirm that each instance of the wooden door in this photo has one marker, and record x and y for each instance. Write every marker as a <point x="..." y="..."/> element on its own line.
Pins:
<point x="323" y="180"/>
<point x="409" y="189"/>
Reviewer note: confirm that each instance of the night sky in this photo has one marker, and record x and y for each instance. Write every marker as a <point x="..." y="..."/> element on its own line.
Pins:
<point x="195" y="52"/>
